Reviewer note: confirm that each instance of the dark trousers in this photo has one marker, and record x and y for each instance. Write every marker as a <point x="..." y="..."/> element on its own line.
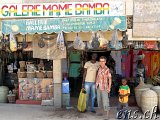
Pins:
<point x="75" y="86"/>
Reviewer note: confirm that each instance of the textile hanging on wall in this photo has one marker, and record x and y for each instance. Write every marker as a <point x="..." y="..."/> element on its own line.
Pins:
<point x="126" y="64"/>
<point x="75" y="58"/>
<point x="116" y="55"/>
<point x="154" y="63"/>
<point x="147" y="62"/>
<point x="48" y="51"/>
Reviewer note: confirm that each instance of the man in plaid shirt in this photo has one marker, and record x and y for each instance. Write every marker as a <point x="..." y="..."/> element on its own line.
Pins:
<point x="103" y="85"/>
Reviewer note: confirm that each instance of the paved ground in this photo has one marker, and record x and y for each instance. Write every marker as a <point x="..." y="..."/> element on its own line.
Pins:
<point x="37" y="112"/>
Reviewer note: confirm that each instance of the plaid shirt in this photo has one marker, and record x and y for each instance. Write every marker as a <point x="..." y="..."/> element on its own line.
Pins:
<point x="102" y="78"/>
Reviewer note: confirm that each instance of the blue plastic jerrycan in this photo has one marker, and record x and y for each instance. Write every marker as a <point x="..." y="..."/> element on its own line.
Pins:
<point x="65" y="86"/>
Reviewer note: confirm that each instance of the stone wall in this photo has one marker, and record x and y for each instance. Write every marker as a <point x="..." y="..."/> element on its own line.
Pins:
<point x="146" y="18"/>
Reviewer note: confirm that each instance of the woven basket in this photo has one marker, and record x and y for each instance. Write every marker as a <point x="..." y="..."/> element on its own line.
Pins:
<point x="31" y="75"/>
<point x="157" y="90"/>
<point x="40" y="74"/>
<point x="49" y="74"/>
<point x="11" y="98"/>
<point x="22" y="69"/>
<point x="22" y="64"/>
<point x="149" y="100"/>
<point x="138" y="93"/>
<point x="149" y="85"/>
<point x="21" y="74"/>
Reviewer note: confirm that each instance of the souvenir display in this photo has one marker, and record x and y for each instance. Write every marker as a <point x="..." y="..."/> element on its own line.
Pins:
<point x="13" y="43"/>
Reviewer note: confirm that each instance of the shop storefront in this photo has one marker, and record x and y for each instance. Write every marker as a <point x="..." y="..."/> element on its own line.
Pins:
<point x="48" y="40"/>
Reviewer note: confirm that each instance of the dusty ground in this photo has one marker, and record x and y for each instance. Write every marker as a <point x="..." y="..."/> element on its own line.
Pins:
<point x="37" y="112"/>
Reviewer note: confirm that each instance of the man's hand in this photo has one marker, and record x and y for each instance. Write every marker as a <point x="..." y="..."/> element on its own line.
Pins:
<point x="83" y="84"/>
<point x="108" y="90"/>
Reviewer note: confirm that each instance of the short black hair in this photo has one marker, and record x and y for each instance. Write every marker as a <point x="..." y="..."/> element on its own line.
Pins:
<point x="124" y="79"/>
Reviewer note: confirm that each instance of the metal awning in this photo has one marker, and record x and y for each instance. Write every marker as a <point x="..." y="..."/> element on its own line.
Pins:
<point x="69" y="24"/>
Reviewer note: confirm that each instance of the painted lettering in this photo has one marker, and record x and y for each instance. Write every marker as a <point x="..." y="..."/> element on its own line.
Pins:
<point x="5" y="11"/>
<point x="25" y="11"/>
<point x="47" y="9"/>
<point x="78" y="9"/>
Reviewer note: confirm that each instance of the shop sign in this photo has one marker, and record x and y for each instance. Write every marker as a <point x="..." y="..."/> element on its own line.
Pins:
<point x="75" y="24"/>
<point x="109" y="8"/>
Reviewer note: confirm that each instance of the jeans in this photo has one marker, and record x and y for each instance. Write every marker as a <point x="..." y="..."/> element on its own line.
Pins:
<point x="91" y="91"/>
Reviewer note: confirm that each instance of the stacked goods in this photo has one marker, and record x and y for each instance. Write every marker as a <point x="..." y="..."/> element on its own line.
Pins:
<point x="149" y="100"/>
<point x="156" y="79"/>
<point x="49" y="74"/>
<point x="30" y="68"/>
<point x="31" y="75"/>
<point x="40" y="74"/>
<point x="22" y="66"/>
<point x="22" y="74"/>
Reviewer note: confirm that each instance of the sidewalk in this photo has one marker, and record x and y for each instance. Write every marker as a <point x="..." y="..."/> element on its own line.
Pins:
<point x="36" y="112"/>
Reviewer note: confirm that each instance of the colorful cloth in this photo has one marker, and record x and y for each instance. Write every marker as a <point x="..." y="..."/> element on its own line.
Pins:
<point x="154" y="63"/>
<point x="123" y="90"/>
<point x="126" y="64"/>
<point x="102" y="78"/>
<point x="147" y="62"/>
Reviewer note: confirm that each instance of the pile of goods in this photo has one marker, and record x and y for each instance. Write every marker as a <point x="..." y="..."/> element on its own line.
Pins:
<point x="156" y="79"/>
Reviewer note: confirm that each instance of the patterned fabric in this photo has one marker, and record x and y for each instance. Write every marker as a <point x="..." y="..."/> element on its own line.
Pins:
<point x="123" y="90"/>
<point x="147" y="62"/>
<point x="154" y="63"/>
<point x="102" y="78"/>
<point x="126" y="64"/>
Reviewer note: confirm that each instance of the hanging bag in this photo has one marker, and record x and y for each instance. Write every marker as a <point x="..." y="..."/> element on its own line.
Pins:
<point x="79" y="44"/>
<point x="82" y="101"/>
<point x="95" y="43"/>
<point x="13" y="43"/>
<point x="60" y="41"/>
<point x="114" y="40"/>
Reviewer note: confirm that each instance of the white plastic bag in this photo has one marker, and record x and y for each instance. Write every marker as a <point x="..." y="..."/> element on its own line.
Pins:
<point x="13" y="43"/>
<point x="78" y="44"/>
<point x="89" y="46"/>
<point x="114" y="40"/>
<point x="60" y="41"/>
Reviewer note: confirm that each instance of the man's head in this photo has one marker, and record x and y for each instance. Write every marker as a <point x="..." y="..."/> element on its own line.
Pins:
<point x="102" y="61"/>
<point x="94" y="56"/>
